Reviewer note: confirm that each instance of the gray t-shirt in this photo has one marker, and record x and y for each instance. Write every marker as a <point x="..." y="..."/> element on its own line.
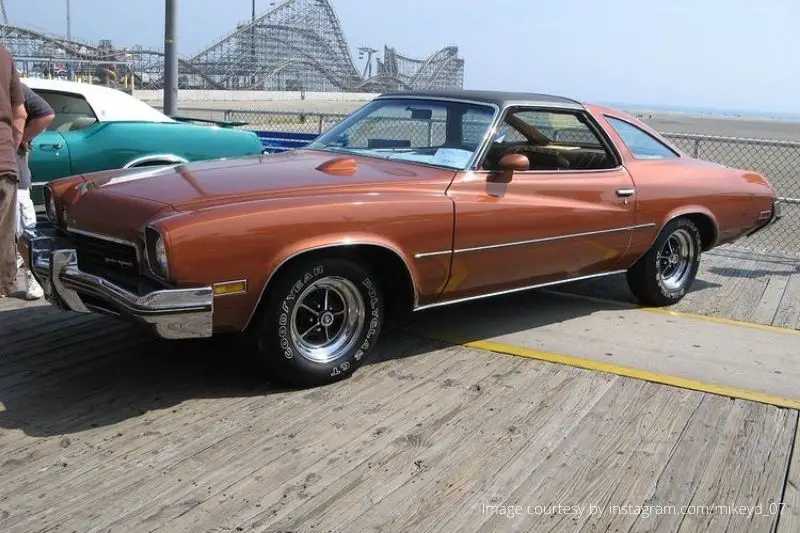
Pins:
<point x="37" y="107"/>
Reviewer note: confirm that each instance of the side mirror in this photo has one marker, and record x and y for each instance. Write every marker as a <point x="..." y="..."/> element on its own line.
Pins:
<point x="509" y="164"/>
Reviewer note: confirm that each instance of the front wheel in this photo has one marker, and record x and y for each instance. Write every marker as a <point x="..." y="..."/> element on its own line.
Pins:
<point x="667" y="271"/>
<point x="321" y="320"/>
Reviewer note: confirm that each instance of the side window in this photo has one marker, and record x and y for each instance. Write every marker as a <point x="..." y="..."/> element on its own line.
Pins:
<point x="73" y="112"/>
<point x="641" y="144"/>
<point x="552" y="140"/>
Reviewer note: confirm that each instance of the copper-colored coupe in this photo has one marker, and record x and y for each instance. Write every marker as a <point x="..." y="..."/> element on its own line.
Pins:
<point x="416" y="200"/>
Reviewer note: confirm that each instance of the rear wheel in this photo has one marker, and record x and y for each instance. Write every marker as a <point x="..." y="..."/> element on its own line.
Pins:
<point x="667" y="271"/>
<point x="321" y="320"/>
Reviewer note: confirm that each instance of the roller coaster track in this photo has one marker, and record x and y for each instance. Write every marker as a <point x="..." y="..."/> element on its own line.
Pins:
<point x="89" y="52"/>
<point x="304" y="37"/>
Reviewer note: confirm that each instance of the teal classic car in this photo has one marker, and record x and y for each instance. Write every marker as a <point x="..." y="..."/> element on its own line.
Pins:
<point x="100" y="128"/>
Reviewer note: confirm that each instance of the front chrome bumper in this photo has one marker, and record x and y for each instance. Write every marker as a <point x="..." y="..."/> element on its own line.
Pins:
<point x="172" y="313"/>
<point x="775" y="216"/>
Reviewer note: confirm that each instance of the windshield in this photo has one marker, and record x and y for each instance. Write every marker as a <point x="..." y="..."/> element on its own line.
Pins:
<point x="433" y="132"/>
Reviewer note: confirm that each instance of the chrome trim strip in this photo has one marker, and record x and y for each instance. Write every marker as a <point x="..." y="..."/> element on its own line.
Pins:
<point x="146" y="251"/>
<point x="100" y="236"/>
<point x="339" y="244"/>
<point x="481" y="172"/>
<point x="576" y="105"/>
<point x="169" y="159"/>
<point x="422" y="255"/>
<point x="432" y="254"/>
<point x="518" y="289"/>
<point x="486" y="142"/>
<point x="550" y="239"/>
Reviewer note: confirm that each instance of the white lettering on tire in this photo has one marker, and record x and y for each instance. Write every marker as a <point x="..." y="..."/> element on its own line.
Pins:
<point x="283" y="319"/>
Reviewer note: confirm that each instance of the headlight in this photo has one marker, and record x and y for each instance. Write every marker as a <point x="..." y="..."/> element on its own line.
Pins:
<point x="161" y="255"/>
<point x="157" y="253"/>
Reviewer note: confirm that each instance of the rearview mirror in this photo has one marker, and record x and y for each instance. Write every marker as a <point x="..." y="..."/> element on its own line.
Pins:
<point x="420" y="113"/>
<point x="509" y="164"/>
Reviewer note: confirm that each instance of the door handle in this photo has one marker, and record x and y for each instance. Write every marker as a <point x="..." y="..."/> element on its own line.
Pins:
<point x="54" y="146"/>
<point x="626" y="193"/>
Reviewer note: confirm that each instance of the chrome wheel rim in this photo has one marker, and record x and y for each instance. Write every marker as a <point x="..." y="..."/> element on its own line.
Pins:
<point x="674" y="260"/>
<point x="327" y="319"/>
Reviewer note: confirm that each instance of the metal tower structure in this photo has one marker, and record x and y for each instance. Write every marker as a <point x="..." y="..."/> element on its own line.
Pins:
<point x="298" y="45"/>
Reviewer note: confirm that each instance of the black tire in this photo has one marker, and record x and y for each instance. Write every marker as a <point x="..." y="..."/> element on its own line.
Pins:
<point x="645" y="276"/>
<point x="279" y="346"/>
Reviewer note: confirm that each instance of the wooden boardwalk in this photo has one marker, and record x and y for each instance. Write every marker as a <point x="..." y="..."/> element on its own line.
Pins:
<point x="731" y="283"/>
<point x="103" y="429"/>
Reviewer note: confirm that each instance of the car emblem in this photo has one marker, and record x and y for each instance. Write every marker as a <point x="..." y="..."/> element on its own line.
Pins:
<point x="117" y="262"/>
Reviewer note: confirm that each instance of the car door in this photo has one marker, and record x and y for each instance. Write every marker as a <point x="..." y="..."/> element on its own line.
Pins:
<point x="51" y="154"/>
<point x="48" y="160"/>
<point x="570" y="216"/>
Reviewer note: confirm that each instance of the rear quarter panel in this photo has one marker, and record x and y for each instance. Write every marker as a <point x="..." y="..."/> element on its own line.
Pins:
<point x="732" y="199"/>
<point x="250" y="240"/>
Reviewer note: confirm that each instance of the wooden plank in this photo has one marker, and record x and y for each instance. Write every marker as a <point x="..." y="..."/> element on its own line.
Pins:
<point x="516" y="413"/>
<point x="344" y="460"/>
<point x="737" y="499"/>
<point x="233" y="444"/>
<point x="733" y="284"/>
<point x="788" y="314"/>
<point x="789" y="520"/>
<point x="637" y="475"/>
<point x="707" y="430"/>
<point x="493" y="452"/>
<point x="770" y="303"/>
<point x="161" y="421"/>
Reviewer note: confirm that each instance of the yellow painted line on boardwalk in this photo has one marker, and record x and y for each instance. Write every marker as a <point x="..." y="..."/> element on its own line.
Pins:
<point x="680" y="314"/>
<point x="646" y="375"/>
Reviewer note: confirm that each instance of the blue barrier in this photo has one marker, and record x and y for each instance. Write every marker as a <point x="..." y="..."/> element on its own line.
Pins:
<point x="282" y="141"/>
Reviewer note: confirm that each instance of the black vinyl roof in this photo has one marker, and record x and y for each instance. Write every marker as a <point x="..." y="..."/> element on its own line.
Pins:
<point x="499" y="98"/>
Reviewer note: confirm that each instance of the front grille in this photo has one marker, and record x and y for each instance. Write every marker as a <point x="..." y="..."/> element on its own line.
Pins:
<point x="96" y="254"/>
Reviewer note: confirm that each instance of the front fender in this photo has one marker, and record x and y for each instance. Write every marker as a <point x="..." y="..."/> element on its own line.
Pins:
<point x="251" y="240"/>
<point x="340" y="240"/>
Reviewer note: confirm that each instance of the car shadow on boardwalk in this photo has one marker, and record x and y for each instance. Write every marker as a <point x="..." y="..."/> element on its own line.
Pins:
<point x="63" y="373"/>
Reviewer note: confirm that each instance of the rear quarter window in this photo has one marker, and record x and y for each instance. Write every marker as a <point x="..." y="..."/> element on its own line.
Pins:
<point x="640" y="143"/>
<point x="72" y="110"/>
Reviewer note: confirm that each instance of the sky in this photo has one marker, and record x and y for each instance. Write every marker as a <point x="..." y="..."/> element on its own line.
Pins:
<point x="720" y="54"/>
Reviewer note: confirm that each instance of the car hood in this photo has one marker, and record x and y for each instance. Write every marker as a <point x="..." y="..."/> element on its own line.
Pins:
<point x="296" y="173"/>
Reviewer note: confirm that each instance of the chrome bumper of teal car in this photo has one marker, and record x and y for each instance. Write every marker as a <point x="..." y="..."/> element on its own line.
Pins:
<point x="171" y="313"/>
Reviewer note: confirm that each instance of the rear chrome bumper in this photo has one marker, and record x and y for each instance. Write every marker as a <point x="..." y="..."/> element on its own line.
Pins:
<point x="172" y="313"/>
<point x="774" y="216"/>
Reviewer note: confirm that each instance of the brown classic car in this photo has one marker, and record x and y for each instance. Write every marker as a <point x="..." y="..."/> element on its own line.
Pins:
<point x="416" y="200"/>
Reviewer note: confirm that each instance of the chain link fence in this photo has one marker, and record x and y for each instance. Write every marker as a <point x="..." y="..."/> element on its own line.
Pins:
<point x="779" y="161"/>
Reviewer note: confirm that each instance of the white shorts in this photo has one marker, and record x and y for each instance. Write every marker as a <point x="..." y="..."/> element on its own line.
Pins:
<point x="26" y="212"/>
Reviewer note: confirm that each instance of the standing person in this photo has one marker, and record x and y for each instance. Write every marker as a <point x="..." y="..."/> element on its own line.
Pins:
<point x="40" y="115"/>
<point x="12" y="125"/>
